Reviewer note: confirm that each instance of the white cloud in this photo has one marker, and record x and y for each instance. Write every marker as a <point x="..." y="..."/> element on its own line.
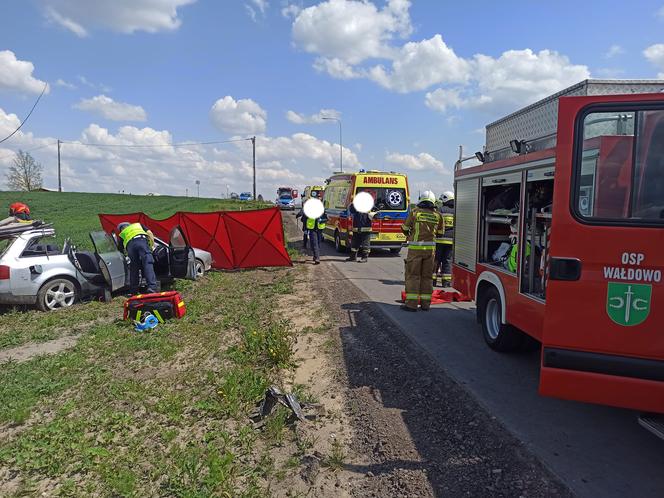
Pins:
<point x="255" y="7"/>
<point x="336" y="68"/>
<point x="243" y="116"/>
<point x="351" y="30"/>
<point x="350" y="38"/>
<point x="17" y="74"/>
<point x="297" y="118"/>
<point x="520" y="77"/>
<point x="419" y="65"/>
<point x="613" y="51"/>
<point x="609" y="72"/>
<point x="65" y="84"/>
<point x="443" y="99"/>
<point x="660" y="12"/>
<point x="419" y="162"/>
<point x="655" y="55"/>
<point x="123" y="16"/>
<point x="110" y="109"/>
<point x="67" y="23"/>
<point x="513" y="80"/>
<point x="96" y="86"/>
<point x="291" y="11"/>
<point x="298" y="160"/>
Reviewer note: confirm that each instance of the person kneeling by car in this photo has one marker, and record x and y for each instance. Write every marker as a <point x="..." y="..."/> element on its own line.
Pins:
<point x="138" y="241"/>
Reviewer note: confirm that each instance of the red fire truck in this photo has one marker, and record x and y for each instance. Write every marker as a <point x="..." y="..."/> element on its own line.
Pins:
<point x="559" y="237"/>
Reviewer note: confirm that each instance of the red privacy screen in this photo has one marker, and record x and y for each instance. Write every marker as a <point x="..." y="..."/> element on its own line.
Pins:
<point x="236" y="239"/>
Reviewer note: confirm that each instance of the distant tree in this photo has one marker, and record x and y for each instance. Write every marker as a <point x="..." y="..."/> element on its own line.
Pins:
<point x="25" y="173"/>
<point x="260" y="198"/>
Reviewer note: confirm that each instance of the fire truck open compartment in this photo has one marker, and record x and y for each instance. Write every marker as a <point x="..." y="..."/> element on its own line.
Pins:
<point x="501" y="231"/>
<point x="537" y="232"/>
<point x="501" y="197"/>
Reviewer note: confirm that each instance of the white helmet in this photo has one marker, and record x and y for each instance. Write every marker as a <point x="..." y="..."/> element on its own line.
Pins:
<point x="428" y="195"/>
<point x="447" y="196"/>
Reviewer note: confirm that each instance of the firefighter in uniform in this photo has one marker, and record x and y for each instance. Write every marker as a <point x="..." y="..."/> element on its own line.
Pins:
<point x="423" y="225"/>
<point x="444" y="245"/>
<point x="138" y="240"/>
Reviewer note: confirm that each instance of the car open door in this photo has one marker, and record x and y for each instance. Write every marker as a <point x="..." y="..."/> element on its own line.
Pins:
<point x="112" y="262"/>
<point x="603" y="340"/>
<point x="182" y="258"/>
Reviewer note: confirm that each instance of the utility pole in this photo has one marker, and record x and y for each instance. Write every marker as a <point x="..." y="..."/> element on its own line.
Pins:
<point x="198" y="188"/>
<point x="253" y="145"/>
<point x="59" y="175"/>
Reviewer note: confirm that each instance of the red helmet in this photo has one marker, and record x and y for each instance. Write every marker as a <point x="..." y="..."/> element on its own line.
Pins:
<point x="19" y="210"/>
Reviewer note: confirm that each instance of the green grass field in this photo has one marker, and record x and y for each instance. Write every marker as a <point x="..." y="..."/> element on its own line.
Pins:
<point x="74" y="214"/>
<point x="163" y="413"/>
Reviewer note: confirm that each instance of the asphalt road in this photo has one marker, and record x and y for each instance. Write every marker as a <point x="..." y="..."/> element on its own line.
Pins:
<point x="595" y="450"/>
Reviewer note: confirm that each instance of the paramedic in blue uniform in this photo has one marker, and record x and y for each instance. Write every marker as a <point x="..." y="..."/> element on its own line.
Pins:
<point x="138" y="240"/>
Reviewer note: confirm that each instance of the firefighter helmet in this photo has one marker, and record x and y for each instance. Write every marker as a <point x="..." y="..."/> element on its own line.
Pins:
<point x="447" y="196"/>
<point x="19" y="210"/>
<point x="428" y="196"/>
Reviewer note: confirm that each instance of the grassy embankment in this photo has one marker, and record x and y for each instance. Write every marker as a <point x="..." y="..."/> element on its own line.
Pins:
<point x="74" y="214"/>
<point x="161" y="413"/>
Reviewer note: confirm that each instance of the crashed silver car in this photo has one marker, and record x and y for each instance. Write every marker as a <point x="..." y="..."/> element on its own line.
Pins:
<point x="34" y="271"/>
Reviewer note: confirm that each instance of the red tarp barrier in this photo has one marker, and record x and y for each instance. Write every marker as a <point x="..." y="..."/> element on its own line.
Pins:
<point x="442" y="297"/>
<point x="236" y="239"/>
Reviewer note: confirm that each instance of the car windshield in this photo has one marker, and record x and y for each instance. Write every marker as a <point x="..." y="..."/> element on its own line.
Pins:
<point x="286" y="198"/>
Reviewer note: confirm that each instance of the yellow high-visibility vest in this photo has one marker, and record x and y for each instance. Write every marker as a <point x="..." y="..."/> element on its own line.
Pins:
<point x="133" y="230"/>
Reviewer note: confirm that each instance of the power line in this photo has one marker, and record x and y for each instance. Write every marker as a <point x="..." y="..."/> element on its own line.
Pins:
<point x="133" y="146"/>
<point x="26" y="118"/>
<point x="27" y="150"/>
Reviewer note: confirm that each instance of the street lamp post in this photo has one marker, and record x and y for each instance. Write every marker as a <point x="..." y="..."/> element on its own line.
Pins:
<point x="198" y="188"/>
<point x="341" y="147"/>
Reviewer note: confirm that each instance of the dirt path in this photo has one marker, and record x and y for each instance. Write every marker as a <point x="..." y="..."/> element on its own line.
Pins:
<point x="412" y="430"/>
<point x="28" y="351"/>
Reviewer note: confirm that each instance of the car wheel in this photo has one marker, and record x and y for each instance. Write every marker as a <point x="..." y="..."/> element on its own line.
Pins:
<point x="57" y="294"/>
<point x="499" y="336"/>
<point x="199" y="268"/>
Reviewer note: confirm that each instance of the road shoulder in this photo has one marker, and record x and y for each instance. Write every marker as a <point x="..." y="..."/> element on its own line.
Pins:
<point x="422" y="433"/>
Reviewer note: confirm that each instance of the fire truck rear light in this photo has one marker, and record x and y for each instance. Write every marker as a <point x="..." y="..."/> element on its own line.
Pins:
<point x="4" y="272"/>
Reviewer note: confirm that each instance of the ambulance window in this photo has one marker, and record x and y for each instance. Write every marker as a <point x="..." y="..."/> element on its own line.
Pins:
<point x="620" y="167"/>
<point x="387" y="199"/>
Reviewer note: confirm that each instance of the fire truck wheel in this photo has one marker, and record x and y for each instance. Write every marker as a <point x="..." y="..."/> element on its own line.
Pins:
<point x="499" y="336"/>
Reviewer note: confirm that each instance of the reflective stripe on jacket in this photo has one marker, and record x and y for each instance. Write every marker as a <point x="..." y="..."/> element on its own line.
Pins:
<point x="133" y="230"/>
<point x="448" y="216"/>
<point x="422" y="227"/>
<point x="311" y="224"/>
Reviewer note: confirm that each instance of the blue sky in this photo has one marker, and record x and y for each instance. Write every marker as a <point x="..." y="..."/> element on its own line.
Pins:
<point x="409" y="80"/>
